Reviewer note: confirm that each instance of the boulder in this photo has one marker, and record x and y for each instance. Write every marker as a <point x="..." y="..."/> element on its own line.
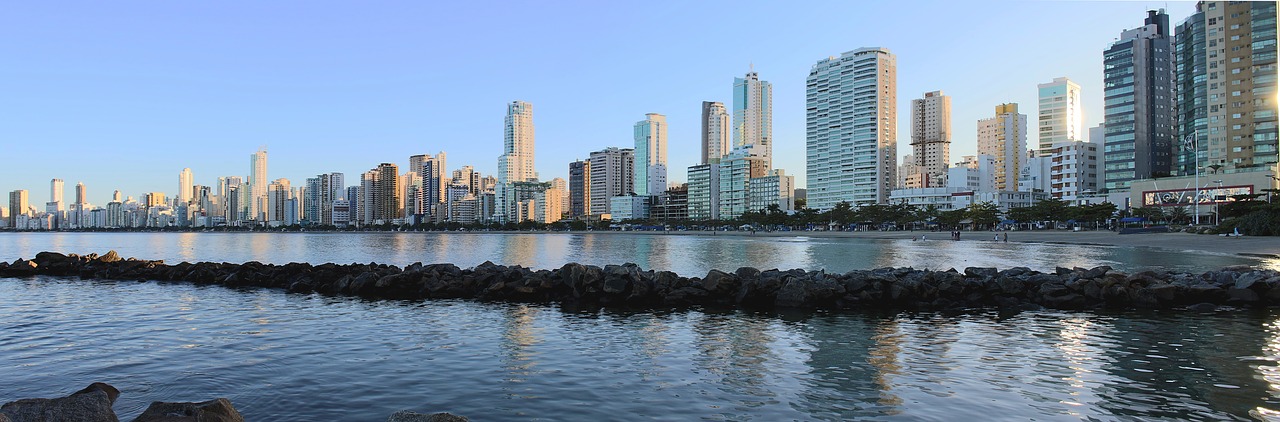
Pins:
<point x="410" y="416"/>
<point x="109" y="257"/>
<point x="92" y="404"/>
<point x="216" y="410"/>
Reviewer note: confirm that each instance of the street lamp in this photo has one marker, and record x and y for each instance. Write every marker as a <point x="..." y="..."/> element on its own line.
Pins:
<point x="1271" y="191"/>
<point x="1216" y="216"/>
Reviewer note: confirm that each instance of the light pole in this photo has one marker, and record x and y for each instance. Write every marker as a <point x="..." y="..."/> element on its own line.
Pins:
<point x="1194" y="143"/>
<point x="1271" y="191"/>
<point x="1217" y="217"/>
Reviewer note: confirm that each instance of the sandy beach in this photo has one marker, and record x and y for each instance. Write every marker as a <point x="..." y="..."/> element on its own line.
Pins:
<point x="1265" y="247"/>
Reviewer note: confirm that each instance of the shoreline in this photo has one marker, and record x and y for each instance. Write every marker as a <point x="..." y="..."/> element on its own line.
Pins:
<point x="1260" y="247"/>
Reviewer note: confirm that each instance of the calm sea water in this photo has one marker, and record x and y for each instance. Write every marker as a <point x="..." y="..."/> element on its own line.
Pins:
<point x="287" y="357"/>
<point x="688" y="255"/>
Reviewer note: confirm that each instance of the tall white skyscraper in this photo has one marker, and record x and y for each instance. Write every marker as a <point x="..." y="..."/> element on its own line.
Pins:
<point x="753" y="116"/>
<point x="185" y="182"/>
<point x="851" y="137"/>
<point x="1061" y="118"/>
<point x="651" y="155"/>
<point x="55" y="192"/>
<point x="81" y="194"/>
<point x="930" y="139"/>
<point x="257" y="184"/>
<point x="1004" y="138"/>
<point x="516" y="162"/>
<point x="715" y="132"/>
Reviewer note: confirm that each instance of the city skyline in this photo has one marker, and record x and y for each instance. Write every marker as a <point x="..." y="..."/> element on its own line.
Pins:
<point x="355" y="113"/>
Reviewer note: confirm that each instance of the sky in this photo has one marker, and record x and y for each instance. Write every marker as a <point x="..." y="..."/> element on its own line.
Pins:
<point x="124" y="95"/>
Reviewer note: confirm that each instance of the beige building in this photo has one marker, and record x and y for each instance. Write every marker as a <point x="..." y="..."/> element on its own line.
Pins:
<point x="1004" y="137"/>
<point x="1061" y="117"/>
<point x="930" y="140"/>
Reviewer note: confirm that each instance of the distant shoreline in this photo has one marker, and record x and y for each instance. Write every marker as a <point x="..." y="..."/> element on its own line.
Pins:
<point x="1264" y="247"/>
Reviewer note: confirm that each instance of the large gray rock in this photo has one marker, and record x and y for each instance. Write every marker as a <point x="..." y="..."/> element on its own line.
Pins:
<point x="92" y="404"/>
<point x="109" y="257"/>
<point x="410" y="416"/>
<point x="216" y="410"/>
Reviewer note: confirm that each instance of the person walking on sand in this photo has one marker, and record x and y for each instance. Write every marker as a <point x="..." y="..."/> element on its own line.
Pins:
<point x="1006" y="237"/>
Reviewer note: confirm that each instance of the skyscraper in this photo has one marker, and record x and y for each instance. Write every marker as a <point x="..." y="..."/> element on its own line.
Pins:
<point x="383" y="195"/>
<point x="1061" y="118"/>
<point x="257" y="184"/>
<point x="278" y="196"/>
<point x="851" y="128"/>
<point x="1004" y="137"/>
<point x="753" y="116"/>
<point x="651" y="155"/>
<point x="55" y="193"/>
<point x="1139" y="78"/>
<point x="185" y="182"/>
<point x="435" y="182"/>
<point x="715" y="132"/>
<point x="1226" y="87"/>
<point x="19" y="202"/>
<point x="81" y="194"/>
<point x="579" y="188"/>
<point x="931" y="138"/>
<point x="516" y="162"/>
<point x="611" y="173"/>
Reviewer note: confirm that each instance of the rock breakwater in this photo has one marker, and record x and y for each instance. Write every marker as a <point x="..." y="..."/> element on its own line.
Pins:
<point x="587" y="286"/>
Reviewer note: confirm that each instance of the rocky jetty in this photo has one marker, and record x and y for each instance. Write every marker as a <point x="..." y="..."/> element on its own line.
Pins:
<point x="587" y="286"/>
<point x="93" y="404"/>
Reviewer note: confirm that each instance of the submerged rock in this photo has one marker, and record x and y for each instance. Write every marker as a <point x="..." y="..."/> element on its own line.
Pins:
<point x="216" y="410"/>
<point x="92" y="404"/>
<point x="410" y="416"/>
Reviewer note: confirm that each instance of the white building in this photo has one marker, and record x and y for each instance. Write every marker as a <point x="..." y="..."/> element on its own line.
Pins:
<point x="853" y="163"/>
<point x="975" y="173"/>
<point x="612" y="175"/>
<point x="736" y="172"/>
<point x="185" y="182"/>
<point x="908" y="173"/>
<point x="775" y="188"/>
<point x="753" y="116"/>
<point x="1073" y="170"/>
<point x="704" y="192"/>
<point x="516" y="162"/>
<point x="715" y="132"/>
<point x="930" y="139"/>
<point x="256" y="202"/>
<point x="651" y="155"/>
<point x="1036" y="174"/>
<point x="1061" y="117"/>
<point x="630" y="207"/>
<point x="1004" y="137"/>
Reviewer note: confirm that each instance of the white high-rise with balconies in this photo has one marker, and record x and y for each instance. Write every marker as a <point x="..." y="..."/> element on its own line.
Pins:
<point x="930" y="139"/>
<point x="715" y="132"/>
<point x="516" y="162"/>
<point x="1061" y="118"/>
<point x="851" y="134"/>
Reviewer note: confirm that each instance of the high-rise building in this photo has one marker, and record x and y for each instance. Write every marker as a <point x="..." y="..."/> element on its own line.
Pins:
<point x="1226" y="88"/>
<point x="753" y="116"/>
<point x="354" y="204"/>
<point x="931" y="139"/>
<point x="278" y="195"/>
<point x="381" y="187"/>
<point x="651" y="155"/>
<point x="435" y="182"/>
<point x="1004" y="138"/>
<point x="19" y="202"/>
<point x="715" y="132"/>
<point x="611" y="174"/>
<point x="55" y="192"/>
<point x="579" y="188"/>
<point x="909" y="172"/>
<point x="82" y="196"/>
<point x="317" y="201"/>
<point x="774" y="188"/>
<point x="1061" y="118"/>
<point x="851" y="133"/>
<point x="469" y="177"/>
<point x="736" y="172"/>
<point x="257" y="184"/>
<point x="516" y="162"/>
<point x="1139" y="116"/>
<point x="185" y="182"/>
<point x="704" y="192"/>
<point x="1073" y="170"/>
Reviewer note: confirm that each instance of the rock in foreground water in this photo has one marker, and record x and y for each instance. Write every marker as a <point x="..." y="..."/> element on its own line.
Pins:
<point x="410" y="416"/>
<point x="216" y="410"/>
<point x="92" y="404"/>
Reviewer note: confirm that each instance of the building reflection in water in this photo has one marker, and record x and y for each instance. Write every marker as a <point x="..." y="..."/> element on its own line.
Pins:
<point x="519" y="337"/>
<point x="1269" y="370"/>
<point x="852" y="360"/>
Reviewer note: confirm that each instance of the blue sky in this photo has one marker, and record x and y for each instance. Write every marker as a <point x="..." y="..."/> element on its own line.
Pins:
<point x="123" y="95"/>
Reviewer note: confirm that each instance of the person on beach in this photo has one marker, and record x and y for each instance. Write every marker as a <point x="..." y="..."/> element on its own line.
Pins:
<point x="1006" y="237"/>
